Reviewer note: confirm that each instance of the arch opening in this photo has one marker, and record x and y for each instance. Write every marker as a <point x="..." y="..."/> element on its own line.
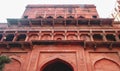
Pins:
<point x="98" y="37"/>
<point x="21" y="37"/>
<point x="9" y="37"/>
<point x="110" y="37"/>
<point x="57" y="65"/>
<point x="14" y="65"/>
<point x="106" y="65"/>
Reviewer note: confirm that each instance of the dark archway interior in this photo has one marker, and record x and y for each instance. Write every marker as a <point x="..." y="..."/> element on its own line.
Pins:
<point x="58" y="66"/>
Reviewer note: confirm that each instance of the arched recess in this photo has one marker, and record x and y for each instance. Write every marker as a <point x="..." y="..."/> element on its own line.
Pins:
<point x="14" y="65"/>
<point x="57" y="65"/>
<point x="70" y="17"/>
<point x="50" y="17"/>
<point x="106" y="65"/>
<point x="21" y="37"/>
<point x="97" y="37"/>
<point x="85" y="37"/>
<point x="33" y="37"/>
<point x="46" y="37"/>
<point x="110" y="37"/>
<point x="60" y="17"/>
<point x="59" y="20"/>
<point x="72" y="37"/>
<point x="9" y="37"/>
<point x="59" y="37"/>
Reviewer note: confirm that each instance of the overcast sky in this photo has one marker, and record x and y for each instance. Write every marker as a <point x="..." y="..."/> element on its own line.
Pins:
<point x="15" y="8"/>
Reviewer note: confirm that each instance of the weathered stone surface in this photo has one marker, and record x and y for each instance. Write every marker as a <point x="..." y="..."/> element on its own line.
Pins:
<point x="61" y="38"/>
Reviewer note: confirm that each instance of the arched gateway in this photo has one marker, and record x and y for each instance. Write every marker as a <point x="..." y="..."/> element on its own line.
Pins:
<point x="57" y="65"/>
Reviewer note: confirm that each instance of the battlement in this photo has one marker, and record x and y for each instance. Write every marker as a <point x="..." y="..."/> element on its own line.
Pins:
<point x="61" y="6"/>
<point x="77" y="10"/>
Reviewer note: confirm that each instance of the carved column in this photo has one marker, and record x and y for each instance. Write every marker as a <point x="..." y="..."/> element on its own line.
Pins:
<point x="15" y="37"/>
<point x="104" y="36"/>
<point x="39" y="34"/>
<point x="4" y="36"/>
<point x="27" y="36"/>
<point x="117" y="36"/>
<point x="91" y="35"/>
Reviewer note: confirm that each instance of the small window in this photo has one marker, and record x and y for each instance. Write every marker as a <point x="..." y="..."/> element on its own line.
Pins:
<point x="50" y="17"/>
<point x="9" y="37"/>
<point x="21" y="37"/>
<point x="95" y="22"/>
<point x="81" y="17"/>
<point x="119" y="36"/>
<point x="83" y="22"/>
<point x="110" y="37"/>
<point x="39" y="17"/>
<point x="94" y="16"/>
<point x="60" y="17"/>
<point x="25" y="17"/>
<point x="1" y="36"/>
<point x="97" y="37"/>
<point x="70" y="17"/>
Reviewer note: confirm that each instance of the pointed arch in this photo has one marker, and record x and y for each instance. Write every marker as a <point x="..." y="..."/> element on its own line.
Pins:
<point x="16" y="58"/>
<point x="106" y="59"/>
<point x="50" y="17"/>
<point x="33" y="37"/>
<point x="70" y="17"/>
<point x="14" y="65"/>
<point x="57" y="65"/>
<point x="59" y="37"/>
<point x="72" y="37"/>
<point x="60" y="17"/>
<point x="46" y="37"/>
<point x="106" y="64"/>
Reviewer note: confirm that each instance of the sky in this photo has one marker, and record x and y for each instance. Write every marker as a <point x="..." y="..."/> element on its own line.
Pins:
<point x="15" y="8"/>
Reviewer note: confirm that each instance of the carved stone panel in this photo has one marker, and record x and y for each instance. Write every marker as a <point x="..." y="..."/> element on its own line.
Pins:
<point x="105" y="61"/>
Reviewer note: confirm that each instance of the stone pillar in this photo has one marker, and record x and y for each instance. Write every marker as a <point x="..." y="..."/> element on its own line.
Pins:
<point x="33" y="61"/>
<point x="15" y="37"/>
<point x="117" y="37"/>
<point x="27" y="36"/>
<point x="91" y="35"/>
<point x="4" y="37"/>
<point x="39" y="34"/>
<point x="104" y="36"/>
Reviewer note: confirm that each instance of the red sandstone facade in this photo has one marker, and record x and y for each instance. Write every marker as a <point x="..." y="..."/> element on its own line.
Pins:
<point x="61" y="38"/>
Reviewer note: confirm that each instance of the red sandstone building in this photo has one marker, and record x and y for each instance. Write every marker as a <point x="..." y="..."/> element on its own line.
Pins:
<point x="61" y="38"/>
